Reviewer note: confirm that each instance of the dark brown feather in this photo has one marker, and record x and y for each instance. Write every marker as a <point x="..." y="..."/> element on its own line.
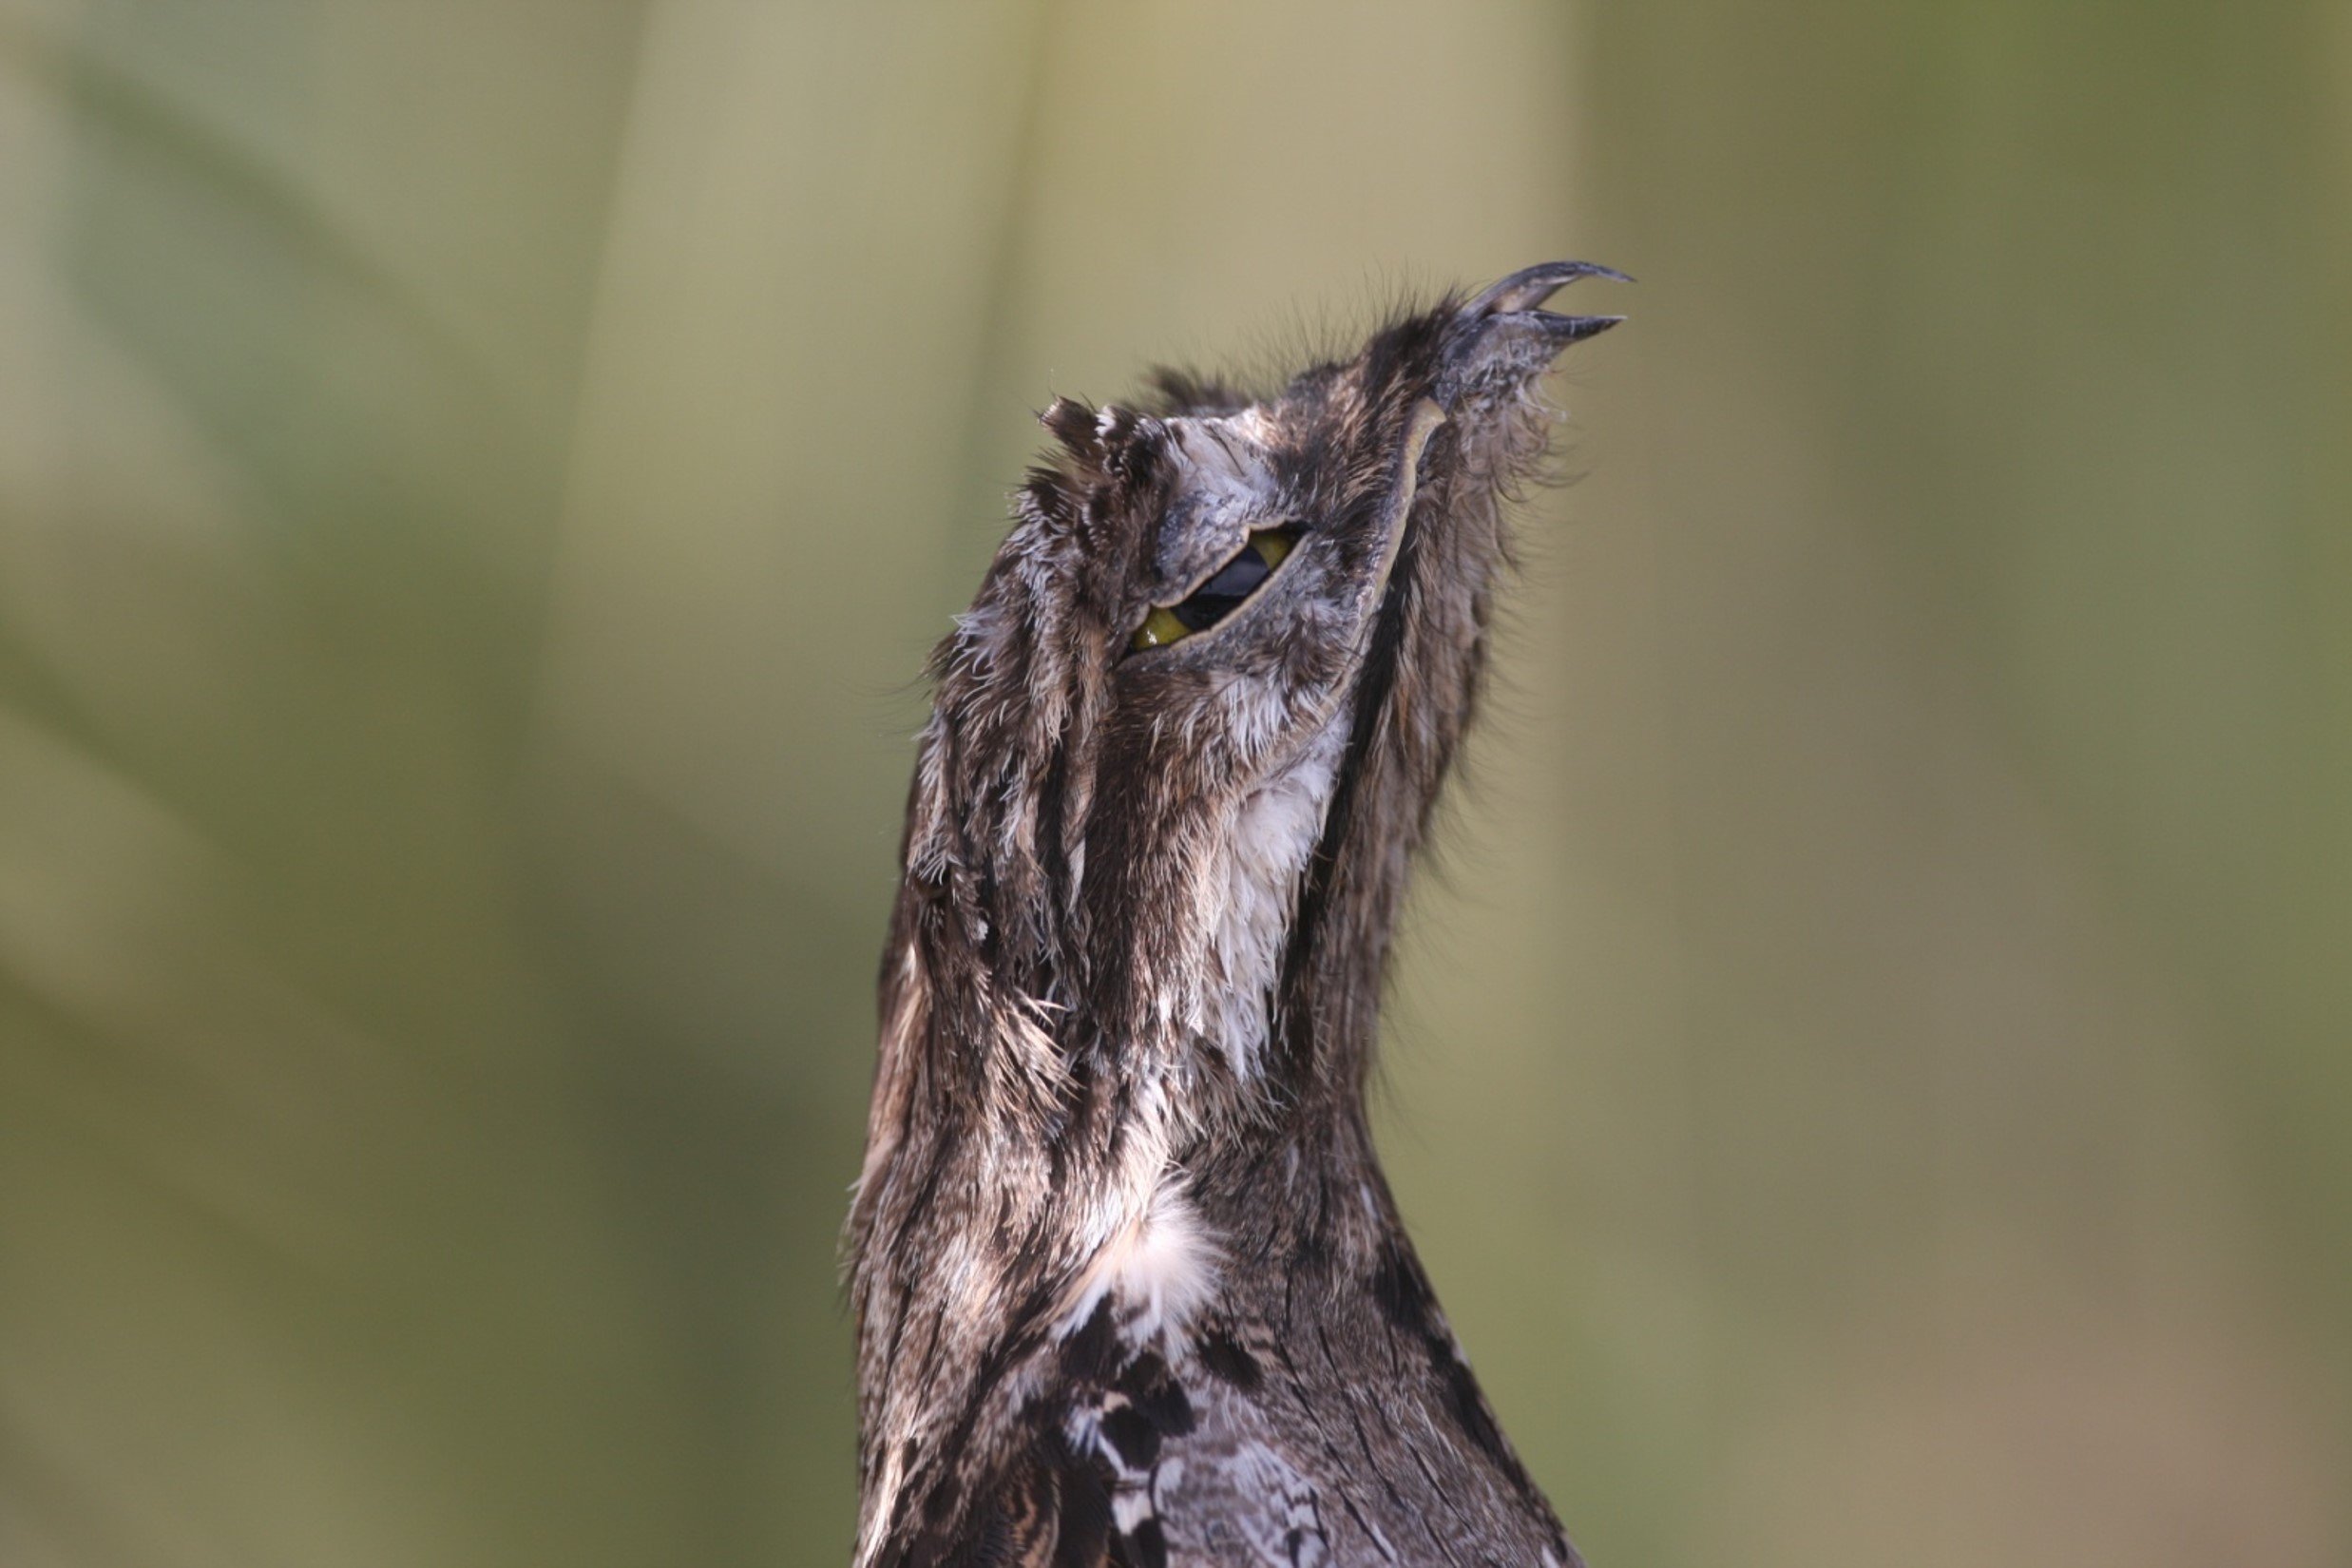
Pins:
<point x="1130" y="1287"/>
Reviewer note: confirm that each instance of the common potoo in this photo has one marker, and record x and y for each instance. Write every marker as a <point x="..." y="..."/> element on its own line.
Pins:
<point x="1129" y="1285"/>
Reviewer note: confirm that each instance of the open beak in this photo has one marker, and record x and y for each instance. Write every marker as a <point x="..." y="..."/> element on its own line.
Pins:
<point x="1504" y="334"/>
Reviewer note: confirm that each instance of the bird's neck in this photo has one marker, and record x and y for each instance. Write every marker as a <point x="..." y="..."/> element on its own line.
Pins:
<point x="1231" y="995"/>
<point x="1038" y="1157"/>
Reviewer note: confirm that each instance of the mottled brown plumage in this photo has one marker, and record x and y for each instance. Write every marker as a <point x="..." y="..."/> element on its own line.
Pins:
<point x="1130" y="1287"/>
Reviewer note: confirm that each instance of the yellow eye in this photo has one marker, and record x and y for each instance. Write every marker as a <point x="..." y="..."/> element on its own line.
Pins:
<point x="1224" y="593"/>
<point x="1159" y="628"/>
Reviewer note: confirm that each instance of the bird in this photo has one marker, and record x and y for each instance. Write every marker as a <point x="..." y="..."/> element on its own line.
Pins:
<point x="1129" y="1286"/>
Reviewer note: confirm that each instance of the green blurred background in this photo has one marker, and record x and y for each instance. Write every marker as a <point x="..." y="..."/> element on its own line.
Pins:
<point x="1872" y="1075"/>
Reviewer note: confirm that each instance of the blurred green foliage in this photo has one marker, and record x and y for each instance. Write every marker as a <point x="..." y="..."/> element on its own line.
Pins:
<point x="1872" y="1073"/>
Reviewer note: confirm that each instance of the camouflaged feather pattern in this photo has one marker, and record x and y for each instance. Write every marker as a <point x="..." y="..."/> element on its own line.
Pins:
<point x="1130" y="1287"/>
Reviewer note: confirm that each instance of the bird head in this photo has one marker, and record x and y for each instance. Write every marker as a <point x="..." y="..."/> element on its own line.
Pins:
<point x="1188" y="735"/>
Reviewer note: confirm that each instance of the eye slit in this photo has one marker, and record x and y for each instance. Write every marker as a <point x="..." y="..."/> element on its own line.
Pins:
<point x="1224" y="593"/>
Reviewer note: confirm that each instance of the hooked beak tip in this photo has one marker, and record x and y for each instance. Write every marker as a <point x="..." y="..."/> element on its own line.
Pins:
<point x="1531" y="286"/>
